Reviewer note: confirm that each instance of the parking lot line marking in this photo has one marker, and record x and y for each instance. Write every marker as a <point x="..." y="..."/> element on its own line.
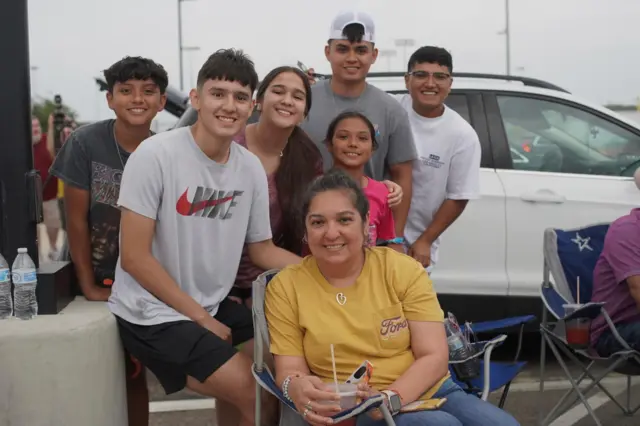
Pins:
<point x="532" y="386"/>
<point x="182" y="405"/>
<point x="577" y="413"/>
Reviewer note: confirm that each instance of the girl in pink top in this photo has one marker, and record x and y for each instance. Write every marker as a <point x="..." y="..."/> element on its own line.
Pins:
<point x="351" y="142"/>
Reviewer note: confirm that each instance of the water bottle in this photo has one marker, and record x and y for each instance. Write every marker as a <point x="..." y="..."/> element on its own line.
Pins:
<point x="460" y="350"/>
<point x="25" y="281"/>
<point x="6" y="304"/>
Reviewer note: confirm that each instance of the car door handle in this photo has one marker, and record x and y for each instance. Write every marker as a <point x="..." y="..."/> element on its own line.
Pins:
<point x="543" y="196"/>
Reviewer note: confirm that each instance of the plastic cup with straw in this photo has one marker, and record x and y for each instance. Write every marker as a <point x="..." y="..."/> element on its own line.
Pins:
<point x="348" y="393"/>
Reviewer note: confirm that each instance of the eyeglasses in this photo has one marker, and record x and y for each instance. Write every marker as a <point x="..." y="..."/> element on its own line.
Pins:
<point x="439" y="77"/>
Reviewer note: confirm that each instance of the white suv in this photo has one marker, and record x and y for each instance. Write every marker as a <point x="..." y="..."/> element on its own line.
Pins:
<point x="549" y="159"/>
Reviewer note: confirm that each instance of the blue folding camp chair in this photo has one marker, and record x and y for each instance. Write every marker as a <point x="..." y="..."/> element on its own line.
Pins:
<point x="289" y="416"/>
<point x="569" y="255"/>
<point x="494" y="375"/>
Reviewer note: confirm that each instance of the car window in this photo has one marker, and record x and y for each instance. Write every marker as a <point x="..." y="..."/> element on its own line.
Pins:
<point x="553" y="137"/>
<point x="459" y="103"/>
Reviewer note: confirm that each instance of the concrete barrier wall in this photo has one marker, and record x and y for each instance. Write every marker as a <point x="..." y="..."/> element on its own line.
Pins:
<point x="63" y="370"/>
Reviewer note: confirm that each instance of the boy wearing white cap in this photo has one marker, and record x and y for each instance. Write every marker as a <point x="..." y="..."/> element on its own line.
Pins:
<point x="351" y="51"/>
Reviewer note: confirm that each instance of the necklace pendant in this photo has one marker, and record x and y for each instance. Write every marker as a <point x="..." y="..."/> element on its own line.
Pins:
<point x="341" y="299"/>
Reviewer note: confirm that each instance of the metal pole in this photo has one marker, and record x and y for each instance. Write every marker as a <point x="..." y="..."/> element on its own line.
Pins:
<point x="180" y="44"/>
<point x="507" y="34"/>
<point x="34" y="80"/>
<point x="190" y="50"/>
<point x="17" y="224"/>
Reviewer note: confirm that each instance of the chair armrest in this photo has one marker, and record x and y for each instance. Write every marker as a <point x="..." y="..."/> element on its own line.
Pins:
<point x="481" y="348"/>
<point x="364" y="406"/>
<point x="487" y="365"/>
<point x="502" y="324"/>
<point x="588" y="310"/>
<point x="614" y="331"/>
<point x="265" y="380"/>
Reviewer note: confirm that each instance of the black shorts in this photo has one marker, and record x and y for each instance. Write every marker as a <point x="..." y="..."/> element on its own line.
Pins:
<point x="175" y="350"/>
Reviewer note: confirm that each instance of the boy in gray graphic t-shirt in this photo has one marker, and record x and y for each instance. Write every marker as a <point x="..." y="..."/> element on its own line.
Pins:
<point x="190" y="199"/>
<point x="90" y="163"/>
<point x="351" y="52"/>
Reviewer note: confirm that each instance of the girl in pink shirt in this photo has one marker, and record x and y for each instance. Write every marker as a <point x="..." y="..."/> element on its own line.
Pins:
<point x="351" y="142"/>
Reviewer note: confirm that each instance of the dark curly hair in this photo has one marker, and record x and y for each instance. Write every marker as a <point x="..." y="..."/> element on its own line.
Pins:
<point x="136" y="68"/>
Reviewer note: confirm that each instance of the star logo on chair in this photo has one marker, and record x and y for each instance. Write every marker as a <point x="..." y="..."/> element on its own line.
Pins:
<point x="582" y="243"/>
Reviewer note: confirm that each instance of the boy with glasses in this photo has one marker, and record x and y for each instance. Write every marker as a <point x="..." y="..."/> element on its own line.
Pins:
<point x="446" y="174"/>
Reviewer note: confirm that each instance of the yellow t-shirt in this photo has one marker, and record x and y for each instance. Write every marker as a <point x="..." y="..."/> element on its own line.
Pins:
<point x="305" y="318"/>
<point x="60" y="189"/>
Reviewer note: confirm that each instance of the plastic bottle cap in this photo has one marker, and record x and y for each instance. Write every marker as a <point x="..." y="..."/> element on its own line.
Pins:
<point x="22" y="250"/>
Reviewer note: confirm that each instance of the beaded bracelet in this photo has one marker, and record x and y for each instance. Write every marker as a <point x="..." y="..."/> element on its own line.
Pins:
<point x="285" y="385"/>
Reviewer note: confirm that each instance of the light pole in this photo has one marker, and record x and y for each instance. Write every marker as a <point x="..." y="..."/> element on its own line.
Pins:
<point x="190" y="49"/>
<point x="404" y="43"/>
<point x="180" y="48"/>
<point x="34" y="69"/>
<point x="388" y="53"/>
<point x="507" y="35"/>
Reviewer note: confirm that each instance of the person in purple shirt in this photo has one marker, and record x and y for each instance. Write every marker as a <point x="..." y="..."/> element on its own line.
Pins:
<point x="616" y="282"/>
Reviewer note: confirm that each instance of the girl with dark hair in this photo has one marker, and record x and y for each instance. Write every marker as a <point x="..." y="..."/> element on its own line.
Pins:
<point x="290" y="159"/>
<point x="351" y="141"/>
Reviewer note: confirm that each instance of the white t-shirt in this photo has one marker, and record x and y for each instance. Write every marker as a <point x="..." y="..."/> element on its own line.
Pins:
<point x="448" y="167"/>
<point x="204" y="212"/>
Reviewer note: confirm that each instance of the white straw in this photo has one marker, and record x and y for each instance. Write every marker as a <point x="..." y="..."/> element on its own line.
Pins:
<point x="578" y="290"/>
<point x="335" y="375"/>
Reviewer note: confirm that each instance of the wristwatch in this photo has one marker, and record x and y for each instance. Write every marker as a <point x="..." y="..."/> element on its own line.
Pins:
<point x="395" y="403"/>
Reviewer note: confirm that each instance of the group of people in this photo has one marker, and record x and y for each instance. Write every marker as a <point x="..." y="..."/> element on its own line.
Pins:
<point x="339" y="185"/>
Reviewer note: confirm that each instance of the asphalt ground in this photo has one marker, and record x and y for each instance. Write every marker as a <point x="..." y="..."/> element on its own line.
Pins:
<point x="524" y="401"/>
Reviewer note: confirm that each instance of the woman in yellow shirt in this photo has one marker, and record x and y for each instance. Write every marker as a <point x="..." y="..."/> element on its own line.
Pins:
<point x="371" y="304"/>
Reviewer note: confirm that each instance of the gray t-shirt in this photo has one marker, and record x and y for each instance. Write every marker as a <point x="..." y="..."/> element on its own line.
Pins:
<point x="92" y="160"/>
<point x="393" y="132"/>
<point x="204" y="213"/>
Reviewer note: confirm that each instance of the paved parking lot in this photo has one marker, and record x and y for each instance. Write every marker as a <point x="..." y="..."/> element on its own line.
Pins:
<point x="525" y="402"/>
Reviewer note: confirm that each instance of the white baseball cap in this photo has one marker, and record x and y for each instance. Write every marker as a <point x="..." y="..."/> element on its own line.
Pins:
<point x="352" y="17"/>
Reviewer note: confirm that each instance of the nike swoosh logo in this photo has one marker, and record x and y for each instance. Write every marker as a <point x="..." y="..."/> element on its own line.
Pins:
<point x="186" y="208"/>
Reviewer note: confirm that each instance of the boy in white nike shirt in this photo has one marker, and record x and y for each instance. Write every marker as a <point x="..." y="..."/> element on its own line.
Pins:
<point x="446" y="174"/>
<point x="190" y="200"/>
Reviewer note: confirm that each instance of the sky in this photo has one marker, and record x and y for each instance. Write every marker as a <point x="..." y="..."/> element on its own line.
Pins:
<point x="589" y="47"/>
